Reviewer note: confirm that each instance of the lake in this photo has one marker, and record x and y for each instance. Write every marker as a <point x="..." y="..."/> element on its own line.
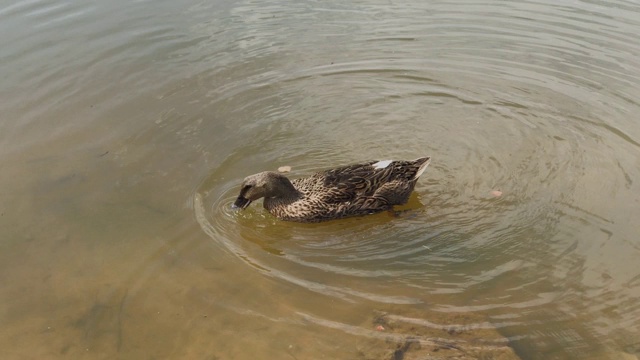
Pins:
<point x="127" y="128"/>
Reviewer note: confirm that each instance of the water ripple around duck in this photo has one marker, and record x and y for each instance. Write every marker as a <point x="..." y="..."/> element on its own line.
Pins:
<point x="531" y="118"/>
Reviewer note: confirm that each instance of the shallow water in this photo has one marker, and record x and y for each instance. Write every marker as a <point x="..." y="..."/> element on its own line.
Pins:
<point x="127" y="128"/>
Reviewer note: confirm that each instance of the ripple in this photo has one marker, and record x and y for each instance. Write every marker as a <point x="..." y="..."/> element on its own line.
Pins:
<point x="536" y="99"/>
<point x="504" y="96"/>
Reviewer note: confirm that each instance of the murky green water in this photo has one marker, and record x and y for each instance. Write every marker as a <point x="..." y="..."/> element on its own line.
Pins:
<point x="127" y="127"/>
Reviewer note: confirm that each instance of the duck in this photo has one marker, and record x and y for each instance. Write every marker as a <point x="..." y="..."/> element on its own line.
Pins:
<point x="351" y="190"/>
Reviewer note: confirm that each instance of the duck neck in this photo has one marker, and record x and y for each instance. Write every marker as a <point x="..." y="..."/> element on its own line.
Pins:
<point x="282" y="193"/>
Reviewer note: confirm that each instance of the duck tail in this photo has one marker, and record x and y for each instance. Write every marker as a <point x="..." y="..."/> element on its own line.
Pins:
<point x="424" y="163"/>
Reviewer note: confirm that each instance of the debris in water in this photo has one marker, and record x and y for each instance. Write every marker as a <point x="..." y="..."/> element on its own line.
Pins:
<point x="495" y="193"/>
<point x="284" y="169"/>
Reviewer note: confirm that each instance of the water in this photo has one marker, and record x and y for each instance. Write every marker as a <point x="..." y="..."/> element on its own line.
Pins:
<point x="127" y="128"/>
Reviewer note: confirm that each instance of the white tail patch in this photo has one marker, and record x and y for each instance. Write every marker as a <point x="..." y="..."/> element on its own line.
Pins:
<point x="422" y="168"/>
<point x="382" y="164"/>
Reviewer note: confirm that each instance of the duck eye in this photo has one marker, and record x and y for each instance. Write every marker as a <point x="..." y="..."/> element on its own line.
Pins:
<point x="246" y="188"/>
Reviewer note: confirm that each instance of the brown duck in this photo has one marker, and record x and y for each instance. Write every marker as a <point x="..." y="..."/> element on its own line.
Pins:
<point x="350" y="190"/>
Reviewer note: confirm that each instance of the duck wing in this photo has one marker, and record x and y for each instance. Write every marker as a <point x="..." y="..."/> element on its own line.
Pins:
<point x="345" y="183"/>
<point x="370" y="179"/>
<point x="357" y="189"/>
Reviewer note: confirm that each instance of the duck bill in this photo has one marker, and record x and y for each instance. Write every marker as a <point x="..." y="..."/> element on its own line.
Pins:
<point x="241" y="203"/>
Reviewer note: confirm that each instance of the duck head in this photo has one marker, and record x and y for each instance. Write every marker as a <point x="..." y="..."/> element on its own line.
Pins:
<point x="266" y="184"/>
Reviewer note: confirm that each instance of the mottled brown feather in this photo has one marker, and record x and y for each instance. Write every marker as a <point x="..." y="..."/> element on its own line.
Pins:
<point x="350" y="190"/>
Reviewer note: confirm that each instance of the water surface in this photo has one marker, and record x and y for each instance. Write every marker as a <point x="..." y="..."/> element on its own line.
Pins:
<point x="127" y="128"/>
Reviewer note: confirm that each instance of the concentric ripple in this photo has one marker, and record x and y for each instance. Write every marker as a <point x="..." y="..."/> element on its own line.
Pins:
<point x="530" y="98"/>
<point x="527" y="217"/>
<point x="525" y="223"/>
